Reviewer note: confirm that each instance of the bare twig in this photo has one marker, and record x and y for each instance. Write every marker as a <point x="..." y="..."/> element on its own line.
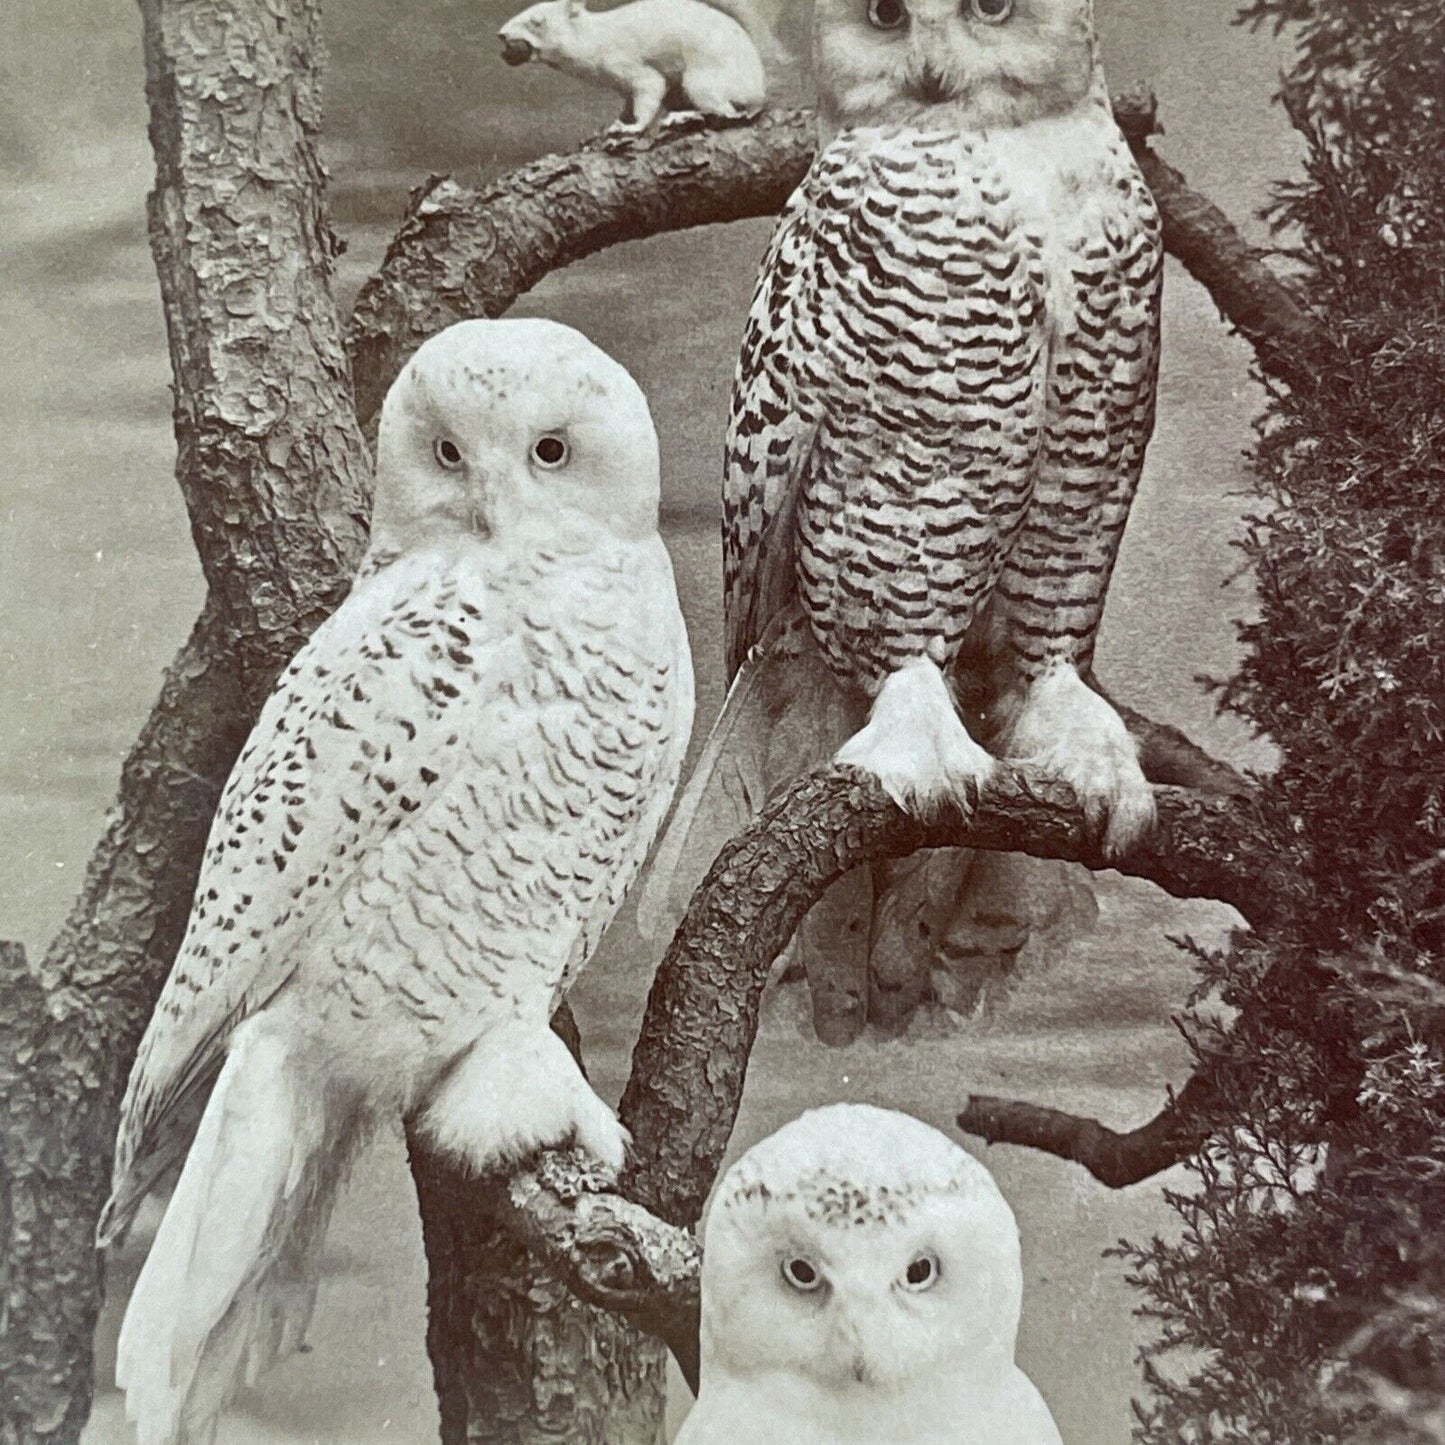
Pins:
<point x="1115" y="1158"/>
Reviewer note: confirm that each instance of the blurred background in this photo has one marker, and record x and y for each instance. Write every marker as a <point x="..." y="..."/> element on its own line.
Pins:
<point x="99" y="585"/>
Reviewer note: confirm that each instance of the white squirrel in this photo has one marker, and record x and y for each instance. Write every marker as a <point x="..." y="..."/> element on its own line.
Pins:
<point x="706" y="55"/>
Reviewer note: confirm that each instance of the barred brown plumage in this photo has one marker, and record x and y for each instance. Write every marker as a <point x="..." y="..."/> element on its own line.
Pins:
<point x="943" y="396"/>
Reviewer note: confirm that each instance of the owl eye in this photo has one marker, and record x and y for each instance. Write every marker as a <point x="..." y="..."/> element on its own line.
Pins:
<point x="447" y="453"/>
<point x="887" y="14"/>
<point x="922" y="1274"/>
<point x="801" y="1275"/>
<point x="550" y="451"/>
<point x="991" y="12"/>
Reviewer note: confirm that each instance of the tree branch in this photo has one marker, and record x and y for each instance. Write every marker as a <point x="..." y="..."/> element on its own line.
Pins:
<point x="701" y="1018"/>
<point x="1116" y="1159"/>
<point x="462" y="253"/>
<point x="1287" y="338"/>
<point x="608" y="1249"/>
<point x="690" y="1062"/>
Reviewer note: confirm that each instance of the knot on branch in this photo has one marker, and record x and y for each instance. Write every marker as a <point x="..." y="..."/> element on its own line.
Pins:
<point x="1136" y="112"/>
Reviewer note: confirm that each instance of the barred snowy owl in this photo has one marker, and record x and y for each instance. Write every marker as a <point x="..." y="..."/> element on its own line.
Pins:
<point x="861" y="1281"/>
<point x="941" y="407"/>
<point x="433" y="822"/>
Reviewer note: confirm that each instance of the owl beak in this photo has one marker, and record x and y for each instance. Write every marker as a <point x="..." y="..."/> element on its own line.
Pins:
<point x="478" y="505"/>
<point x="850" y="1350"/>
<point x="927" y="85"/>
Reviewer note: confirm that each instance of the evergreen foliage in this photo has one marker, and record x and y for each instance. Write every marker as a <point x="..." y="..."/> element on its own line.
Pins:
<point x="1305" y="1301"/>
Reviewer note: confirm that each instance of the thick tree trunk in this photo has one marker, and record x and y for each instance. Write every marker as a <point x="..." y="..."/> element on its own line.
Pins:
<point x="275" y="476"/>
<point x="517" y="1358"/>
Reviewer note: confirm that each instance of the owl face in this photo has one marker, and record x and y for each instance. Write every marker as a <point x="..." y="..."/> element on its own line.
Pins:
<point x="860" y="1255"/>
<point x="516" y="430"/>
<point x="973" y="62"/>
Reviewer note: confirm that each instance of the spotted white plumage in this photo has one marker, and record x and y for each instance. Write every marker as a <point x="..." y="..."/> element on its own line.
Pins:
<point x="434" y="820"/>
<point x="862" y="1282"/>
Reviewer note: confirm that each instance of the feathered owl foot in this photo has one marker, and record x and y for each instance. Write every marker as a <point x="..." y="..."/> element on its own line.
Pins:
<point x="916" y="745"/>
<point x="1067" y="729"/>
<point x="516" y="1091"/>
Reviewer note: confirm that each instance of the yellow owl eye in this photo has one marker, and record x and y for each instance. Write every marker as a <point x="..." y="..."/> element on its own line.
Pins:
<point x="887" y="14"/>
<point x="447" y="453"/>
<point x="991" y="12"/>
<point x="922" y="1274"/>
<point x="802" y="1276"/>
<point x="550" y="451"/>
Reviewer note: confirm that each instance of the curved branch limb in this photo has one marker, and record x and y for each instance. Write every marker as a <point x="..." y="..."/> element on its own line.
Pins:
<point x="1115" y="1158"/>
<point x="628" y="1246"/>
<point x="463" y="253"/>
<point x="702" y="1015"/>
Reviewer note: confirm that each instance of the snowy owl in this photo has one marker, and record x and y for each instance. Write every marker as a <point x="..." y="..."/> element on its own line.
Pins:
<point x="861" y="1283"/>
<point x="941" y="406"/>
<point x="434" y="820"/>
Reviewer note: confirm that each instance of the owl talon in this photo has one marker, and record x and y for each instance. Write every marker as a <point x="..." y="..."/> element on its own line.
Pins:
<point x="1065" y="728"/>
<point x="547" y="1102"/>
<point x="916" y="745"/>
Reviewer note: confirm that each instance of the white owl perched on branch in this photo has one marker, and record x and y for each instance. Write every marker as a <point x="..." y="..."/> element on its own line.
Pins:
<point x="939" y="419"/>
<point x="861" y="1282"/>
<point x="433" y="822"/>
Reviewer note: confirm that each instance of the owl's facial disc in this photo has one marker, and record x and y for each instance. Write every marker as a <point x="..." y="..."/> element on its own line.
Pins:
<point x="985" y="63"/>
<point x="519" y="431"/>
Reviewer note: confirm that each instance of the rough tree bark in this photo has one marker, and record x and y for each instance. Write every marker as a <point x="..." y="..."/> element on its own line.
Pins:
<point x="274" y="471"/>
<point x="517" y="1357"/>
<point x="275" y="476"/>
<point x="463" y="253"/>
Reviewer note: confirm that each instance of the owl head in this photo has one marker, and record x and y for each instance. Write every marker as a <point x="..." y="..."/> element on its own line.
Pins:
<point x="989" y="62"/>
<point x="859" y="1253"/>
<point x="517" y="430"/>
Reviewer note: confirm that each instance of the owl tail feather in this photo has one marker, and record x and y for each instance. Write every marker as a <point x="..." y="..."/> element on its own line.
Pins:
<point x="230" y="1280"/>
<point x="784" y="715"/>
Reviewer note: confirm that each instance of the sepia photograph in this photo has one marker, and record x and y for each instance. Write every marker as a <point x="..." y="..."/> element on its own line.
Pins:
<point x="722" y="722"/>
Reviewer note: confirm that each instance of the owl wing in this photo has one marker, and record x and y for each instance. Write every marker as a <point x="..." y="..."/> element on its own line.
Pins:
<point x="768" y="440"/>
<point x="889" y="389"/>
<point x="357" y="740"/>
